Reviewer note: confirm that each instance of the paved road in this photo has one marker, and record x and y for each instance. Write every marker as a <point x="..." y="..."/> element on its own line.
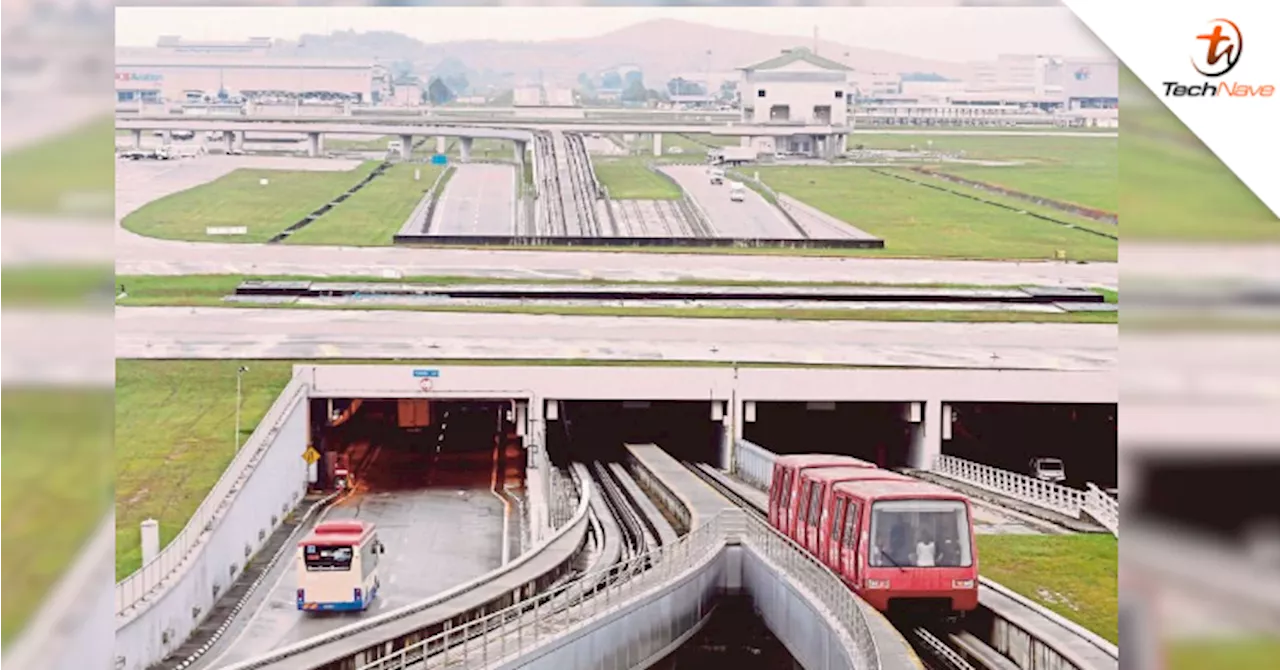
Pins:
<point x="478" y="200"/>
<point x="754" y="217"/>
<point x="168" y="332"/>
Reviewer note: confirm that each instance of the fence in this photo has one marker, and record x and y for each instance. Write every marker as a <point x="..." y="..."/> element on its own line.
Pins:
<point x="1103" y="507"/>
<point x="1061" y="499"/>
<point x="753" y="464"/>
<point x="152" y="575"/>
<point x="521" y="629"/>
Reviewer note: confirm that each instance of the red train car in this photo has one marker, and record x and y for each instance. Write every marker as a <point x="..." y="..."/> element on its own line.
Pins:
<point x="904" y="546"/>
<point x="783" y="488"/>
<point x="814" y="489"/>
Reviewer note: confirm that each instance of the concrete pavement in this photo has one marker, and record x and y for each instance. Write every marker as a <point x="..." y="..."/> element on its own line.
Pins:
<point x="478" y="200"/>
<point x="752" y="218"/>
<point x="182" y="332"/>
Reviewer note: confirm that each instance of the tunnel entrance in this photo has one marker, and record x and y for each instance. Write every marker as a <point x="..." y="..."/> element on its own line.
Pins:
<point x="1223" y="496"/>
<point x="879" y="432"/>
<point x="1009" y="435"/>
<point x="587" y="430"/>
<point x="384" y="444"/>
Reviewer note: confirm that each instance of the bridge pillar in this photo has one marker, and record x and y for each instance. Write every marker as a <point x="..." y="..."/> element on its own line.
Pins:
<point x="315" y="144"/>
<point x="441" y="144"/>
<point x="227" y="137"/>
<point x="406" y="147"/>
<point x="166" y="137"/>
<point x="521" y="148"/>
<point x="927" y="435"/>
<point x="239" y="140"/>
<point x="137" y="139"/>
<point x="464" y="144"/>
<point x="844" y="143"/>
<point x="657" y="144"/>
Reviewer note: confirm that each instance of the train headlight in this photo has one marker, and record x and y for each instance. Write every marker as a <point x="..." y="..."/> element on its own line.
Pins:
<point x="877" y="583"/>
<point x="962" y="583"/>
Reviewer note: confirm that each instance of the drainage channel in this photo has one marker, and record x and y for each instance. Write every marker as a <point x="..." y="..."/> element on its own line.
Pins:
<point x="734" y="637"/>
<point x="324" y="209"/>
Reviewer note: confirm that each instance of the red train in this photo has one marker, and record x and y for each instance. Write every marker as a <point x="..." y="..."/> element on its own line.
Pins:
<point x="904" y="545"/>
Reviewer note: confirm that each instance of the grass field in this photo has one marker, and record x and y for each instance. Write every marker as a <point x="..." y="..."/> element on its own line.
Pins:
<point x="917" y="221"/>
<point x="481" y="148"/>
<point x="209" y="291"/>
<point x="57" y="285"/>
<point x="237" y="199"/>
<point x="175" y="424"/>
<point x="70" y="174"/>
<point x="1073" y="575"/>
<point x="1079" y="170"/>
<point x="369" y="143"/>
<point x="372" y="216"/>
<point x="1250" y="653"/>
<point x="629" y="179"/>
<point x="56" y="476"/>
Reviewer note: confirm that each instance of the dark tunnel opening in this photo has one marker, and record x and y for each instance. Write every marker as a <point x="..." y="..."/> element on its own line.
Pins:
<point x="1227" y="497"/>
<point x="873" y="431"/>
<point x="597" y="430"/>
<point x="1009" y="435"/>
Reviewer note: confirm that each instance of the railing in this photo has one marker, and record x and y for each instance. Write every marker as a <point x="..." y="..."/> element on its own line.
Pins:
<point x="564" y="498"/>
<point x="152" y="575"/>
<point x="518" y="630"/>
<point x="1062" y="499"/>
<point x="1102" y="507"/>
<point x="753" y="464"/>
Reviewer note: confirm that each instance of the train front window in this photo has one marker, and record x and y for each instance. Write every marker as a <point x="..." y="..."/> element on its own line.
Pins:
<point x="327" y="559"/>
<point x="920" y="533"/>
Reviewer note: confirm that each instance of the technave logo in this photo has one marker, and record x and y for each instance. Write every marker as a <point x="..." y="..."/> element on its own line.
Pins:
<point x="1218" y="50"/>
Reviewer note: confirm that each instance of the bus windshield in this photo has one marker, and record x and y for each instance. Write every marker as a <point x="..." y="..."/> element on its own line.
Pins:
<point x="920" y="533"/>
<point x="327" y="559"/>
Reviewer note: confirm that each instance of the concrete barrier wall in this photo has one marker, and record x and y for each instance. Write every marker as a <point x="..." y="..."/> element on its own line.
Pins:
<point x="792" y="617"/>
<point x="244" y="523"/>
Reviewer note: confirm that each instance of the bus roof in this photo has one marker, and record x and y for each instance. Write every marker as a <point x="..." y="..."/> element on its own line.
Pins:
<point x="338" y="533"/>
<point x="889" y="490"/>
<point x="821" y="461"/>
<point x="842" y="473"/>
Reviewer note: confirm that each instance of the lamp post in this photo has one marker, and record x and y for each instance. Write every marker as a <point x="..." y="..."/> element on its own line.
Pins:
<point x="239" y="375"/>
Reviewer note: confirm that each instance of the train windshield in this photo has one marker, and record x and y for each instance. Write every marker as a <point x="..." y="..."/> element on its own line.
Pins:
<point x="920" y="534"/>
<point x="327" y="559"/>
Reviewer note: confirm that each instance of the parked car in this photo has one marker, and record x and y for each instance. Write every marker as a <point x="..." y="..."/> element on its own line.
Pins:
<point x="1048" y="470"/>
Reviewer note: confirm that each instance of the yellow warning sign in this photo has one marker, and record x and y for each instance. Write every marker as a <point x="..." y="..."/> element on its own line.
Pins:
<point x="311" y="455"/>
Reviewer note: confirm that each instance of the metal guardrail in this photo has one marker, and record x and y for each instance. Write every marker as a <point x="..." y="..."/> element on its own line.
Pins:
<point x="153" y="575"/>
<point x="776" y="201"/>
<point x="1102" y="507"/>
<point x="1061" y="499"/>
<point x="515" y="594"/>
<point x="518" y="630"/>
<point x="753" y="464"/>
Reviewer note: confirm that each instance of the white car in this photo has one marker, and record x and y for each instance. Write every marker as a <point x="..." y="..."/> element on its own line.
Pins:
<point x="737" y="193"/>
<point x="1048" y="470"/>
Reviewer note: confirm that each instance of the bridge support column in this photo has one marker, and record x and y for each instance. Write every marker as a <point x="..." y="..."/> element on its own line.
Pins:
<point x="406" y="147"/>
<point x="927" y="433"/>
<point x="844" y="143"/>
<point x="239" y="141"/>
<point x="314" y="144"/>
<point x="521" y="148"/>
<point x="441" y="144"/>
<point x="137" y="139"/>
<point x="657" y="144"/>
<point x="166" y="137"/>
<point x="227" y="138"/>
<point x="728" y="432"/>
<point x="464" y="144"/>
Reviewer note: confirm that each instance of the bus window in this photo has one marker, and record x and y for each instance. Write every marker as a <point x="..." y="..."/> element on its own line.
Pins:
<point x="327" y="559"/>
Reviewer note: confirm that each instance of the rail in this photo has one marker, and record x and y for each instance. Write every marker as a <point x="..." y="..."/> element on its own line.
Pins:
<point x="153" y="574"/>
<point x="1102" y="507"/>
<point x="1061" y="499"/>
<point x="753" y="464"/>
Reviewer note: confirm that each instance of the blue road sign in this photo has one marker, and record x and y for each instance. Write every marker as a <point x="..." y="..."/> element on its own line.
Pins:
<point x="439" y="159"/>
<point x="426" y="373"/>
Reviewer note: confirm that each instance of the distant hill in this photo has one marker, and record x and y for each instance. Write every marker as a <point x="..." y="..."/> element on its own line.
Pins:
<point x="663" y="48"/>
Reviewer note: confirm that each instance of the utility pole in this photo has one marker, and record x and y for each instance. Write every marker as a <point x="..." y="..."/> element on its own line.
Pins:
<point x="239" y="375"/>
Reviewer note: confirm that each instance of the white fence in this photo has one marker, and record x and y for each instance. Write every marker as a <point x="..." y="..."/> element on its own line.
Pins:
<point x="753" y="464"/>
<point x="1104" y="508"/>
<point x="1061" y="499"/>
<point x="137" y="586"/>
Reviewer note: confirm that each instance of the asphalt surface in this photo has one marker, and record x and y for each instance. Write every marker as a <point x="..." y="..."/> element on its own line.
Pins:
<point x="753" y="218"/>
<point x="478" y="200"/>
<point x="182" y="332"/>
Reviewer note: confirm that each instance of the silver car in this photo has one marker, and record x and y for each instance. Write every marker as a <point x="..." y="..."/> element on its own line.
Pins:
<point x="1048" y="470"/>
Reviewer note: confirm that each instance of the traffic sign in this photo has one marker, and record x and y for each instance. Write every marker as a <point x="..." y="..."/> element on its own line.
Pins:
<point x="439" y="159"/>
<point x="425" y="384"/>
<point x="420" y="373"/>
<point x="311" y="455"/>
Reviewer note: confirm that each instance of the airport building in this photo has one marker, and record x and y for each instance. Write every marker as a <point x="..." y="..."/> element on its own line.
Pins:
<point x="797" y="87"/>
<point x="176" y="70"/>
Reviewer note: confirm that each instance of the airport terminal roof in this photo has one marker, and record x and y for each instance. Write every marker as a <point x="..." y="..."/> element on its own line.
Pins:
<point x="797" y="54"/>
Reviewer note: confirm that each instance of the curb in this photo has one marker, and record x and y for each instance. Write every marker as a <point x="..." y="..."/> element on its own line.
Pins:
<point x="235" y="611"/>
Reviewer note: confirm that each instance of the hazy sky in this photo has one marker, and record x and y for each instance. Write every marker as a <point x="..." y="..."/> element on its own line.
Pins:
<point x="944" y="33"/>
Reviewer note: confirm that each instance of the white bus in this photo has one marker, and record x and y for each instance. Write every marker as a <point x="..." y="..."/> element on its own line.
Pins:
<point x="338" y="567"/>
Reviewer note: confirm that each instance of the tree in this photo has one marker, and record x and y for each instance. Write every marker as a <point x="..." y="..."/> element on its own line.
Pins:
<point x="438" y="92"/>
<point x="586" y="86"/>
<point x="634" y="76"/>
<point x="728" y="90"/>
<point x="682" y="86"/>
<point x="457" y="83"/>
<point x="635" y="92"/>
<point x="611" y="81"/>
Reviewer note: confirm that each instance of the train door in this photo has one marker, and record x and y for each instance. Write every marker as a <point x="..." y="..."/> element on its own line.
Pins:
<point x="849" y="543"/>
<point x="777" y="489"/>
<point x="834" y="534"/>
<point x="813" y="518"/>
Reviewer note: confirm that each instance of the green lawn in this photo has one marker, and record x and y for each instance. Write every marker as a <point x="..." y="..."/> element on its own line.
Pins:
<point x="629" y="179"/>
<point x="1254" y="653"/>
<point x="918" y="221"/>
<point x="56" y="475"/>
<point x="71" y="174"/>
<point x="175" y="424"/>
<point x="372" y="216"/>
<point x="237" y="199"/>
<point x="716" y="140"/>
<point x="1073" y="575"/>
<point x="76" y="285"/>
<point x="1095" y="187"/>
<point x="209" y="291"/>
<point x="481" y="148"/>
<point x="370" y="143"/>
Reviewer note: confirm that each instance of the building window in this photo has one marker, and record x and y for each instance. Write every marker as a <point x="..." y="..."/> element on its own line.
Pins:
<point x="839" y="94"/>
<point x="760" y="93"/>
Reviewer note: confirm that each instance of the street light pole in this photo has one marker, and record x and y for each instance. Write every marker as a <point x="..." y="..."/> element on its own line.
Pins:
<point x="239" y="375"/>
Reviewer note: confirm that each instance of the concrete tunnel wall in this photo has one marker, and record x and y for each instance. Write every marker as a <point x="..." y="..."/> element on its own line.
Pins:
<point x="277" y="483"/>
